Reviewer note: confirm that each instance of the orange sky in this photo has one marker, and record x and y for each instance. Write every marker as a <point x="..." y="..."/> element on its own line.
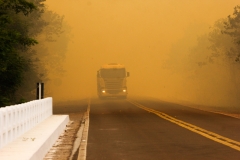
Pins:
<point x="137" y="33"/>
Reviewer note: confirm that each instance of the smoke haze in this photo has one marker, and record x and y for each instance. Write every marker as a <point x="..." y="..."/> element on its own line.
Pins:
<point x="153" y="39"/>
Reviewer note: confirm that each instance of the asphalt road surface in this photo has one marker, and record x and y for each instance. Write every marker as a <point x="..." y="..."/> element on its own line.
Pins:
<point x="150" y="129"/>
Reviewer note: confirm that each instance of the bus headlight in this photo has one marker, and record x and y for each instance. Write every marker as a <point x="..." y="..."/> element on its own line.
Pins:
<point x="124" y="90"/>
<point x="103" y="91"/>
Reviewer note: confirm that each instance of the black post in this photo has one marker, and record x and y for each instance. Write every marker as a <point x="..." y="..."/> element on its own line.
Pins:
<point x="40" y="91"/>
<point x="37" y="92"/>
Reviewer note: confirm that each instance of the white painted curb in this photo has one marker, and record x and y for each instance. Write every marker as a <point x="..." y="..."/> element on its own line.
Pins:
<point x="82" y="152"/>
<point x="34" y="144"/>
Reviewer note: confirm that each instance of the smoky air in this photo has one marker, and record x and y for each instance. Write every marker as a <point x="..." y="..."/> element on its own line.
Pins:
<point x="174" y="50"/>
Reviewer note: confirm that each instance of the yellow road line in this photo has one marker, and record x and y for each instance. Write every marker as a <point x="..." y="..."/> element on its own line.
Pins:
<point x="217" y="112"/>
<point x="213" y="136"/>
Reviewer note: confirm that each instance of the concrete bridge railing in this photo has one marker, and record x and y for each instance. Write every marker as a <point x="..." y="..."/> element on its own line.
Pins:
<point x="15" y="120"/>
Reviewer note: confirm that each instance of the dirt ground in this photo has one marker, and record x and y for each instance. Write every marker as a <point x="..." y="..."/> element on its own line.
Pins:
<point x="62" y="149"/>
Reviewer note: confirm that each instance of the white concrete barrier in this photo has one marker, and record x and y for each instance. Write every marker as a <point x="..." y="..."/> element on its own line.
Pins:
<point x="17" y="119"/>
<point x="35" y="143"/>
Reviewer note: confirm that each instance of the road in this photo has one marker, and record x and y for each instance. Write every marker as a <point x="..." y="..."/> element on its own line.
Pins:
<point x="153" y="129"/>
<point x="124" y="129"/>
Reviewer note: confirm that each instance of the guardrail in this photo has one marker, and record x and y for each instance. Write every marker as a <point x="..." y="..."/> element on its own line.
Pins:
<point x="18" y="119"/>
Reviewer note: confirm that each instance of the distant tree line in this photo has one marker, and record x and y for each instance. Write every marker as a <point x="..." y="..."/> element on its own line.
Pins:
<point x="225" y="38"/>
<point x="232" y="28"/>
<point x="21" y="22"/>
<point x="221" y="45"/>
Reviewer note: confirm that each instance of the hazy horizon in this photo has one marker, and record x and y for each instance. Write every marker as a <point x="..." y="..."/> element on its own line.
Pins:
<point x="153" y="39"/>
